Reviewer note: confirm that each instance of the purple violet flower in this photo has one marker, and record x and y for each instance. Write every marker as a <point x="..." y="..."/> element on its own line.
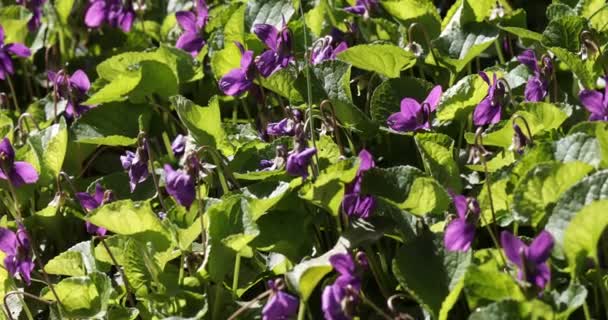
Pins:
<point x="72" y="88"/>
<point x="538" y="84"/>
<point x="35" y="6"/>
<point x="596" y="103"/>
<point x="339" y="299"/>
<point x="178" y="146"/>
<point x="16" y="172"/>
<point x="180" y="185"/>
<point x="93" y="201"/>
<point x="531" y="261"/>
<point x="8" y="49"/>
<point x="460" y="232"/>
<point x="17" y="250"/>
<point x="354" y="203"/>
<point x="298" y="161"/>
<point x="326" y="48"/>
<point x="114" y="12"/>
<point x="489" y="110"/>
<point x="363" y="8"/>
<point x="413" y="115"/>
<point x="193" y="24"/>
<point x="137" y="165"/>
<point x="240" y="80"/>
<point x="278" y="55"/>
<point x="285" y="127"/>
<point x="281" y="305"/>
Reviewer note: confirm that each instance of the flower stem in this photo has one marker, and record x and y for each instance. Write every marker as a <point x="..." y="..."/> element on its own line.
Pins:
<point x="25" y="307"/>
<point x="122" y="273"/>
<point x="235" y="275"/>
<point x="501" y="57"/>
<point x="375" y="307"/>
<point x="13" y="92"/>
<point x="153" y="174"/>
<point x="301" y="310"/>
<point x="249" y="304"/>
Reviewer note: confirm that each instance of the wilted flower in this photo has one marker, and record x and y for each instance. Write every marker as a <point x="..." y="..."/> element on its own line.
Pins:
<point x="520" y="140"/>
<point x="298" y="161"/>
<point x="114" y="12"/>
<point x="178" y="146"/>
<point x="8" y="49"/>
<point x="363" y="7"/>
<point x="238" y="81"/>
<point x="278" y="55"/>
<point x="193" y="24"/>
<point x="16" y="172"/>
<point x="460" y="232"/>
<point x="17" y="250"/>
<point x="277" y="163"/>
<point x="596" y="103"/>
<point x="538" y="84"/>
<point x="531" y="260"/>
<point x="339" y="300"/>
<point x="413" y="115"/>
<point x="35" y="6"/>
<point x="281" y="305"/>
<point x="489" y="110"/>
<point x="354" y="203"/>
<point x="137" y="165"/>
<point x="93" y="201"/>
<point x="180" y="185"/>
<point x="326" y="48"/>
<point x="72" y="88"/>
<point x="285" y="127"/>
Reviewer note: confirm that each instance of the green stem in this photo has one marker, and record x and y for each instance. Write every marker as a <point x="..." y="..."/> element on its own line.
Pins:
<point x="220" y="171"/>
<point x="235" y="275"/>
<point x="375" y="307"/>
<point x="153" y="174"/>
<point x="13" y="92"/>
<point x="182" y="261"/>
<point x="586" y="311"/>
<point x="603" y="293"/>
<point x="301" y="310"/>
<point x="373" y="264"/>
<point x="217" y="302"/>
<point x="501" y="57"/>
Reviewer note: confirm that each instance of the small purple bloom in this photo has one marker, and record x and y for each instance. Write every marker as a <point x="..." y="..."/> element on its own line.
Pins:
<point x="489" y="110"/>
<point x="354" y="203"/>
<point x="137" y="165"/>
<point x="193" y="24"/>
<point x="178" y="146"/>
<point x="596" y="103"/>
<point x="35" y="6"/>
<point x="326" y="48"/>
<point x="73" y="88"/>
<point x="538" y="85"/>
<point x="281" y="305"/>
<point x="413" y="115"/>
<point x="278" y="55"/>
<point x="363" y="7"/>
<point x="114" y="12"/>
<point x="8" y="49"/>
<point x="240" y="80"/>
<point x="17" y="250"/>
<point x="180" y="185"/>
<point x="460" y="232"/>
<point x="298" y="161"/>
<point x="93" y="201"/>
<point x="531" y="260"/>
<point x="339" y="299"/>
<point x="16" y="172"/>
<point x="285" y="127"/>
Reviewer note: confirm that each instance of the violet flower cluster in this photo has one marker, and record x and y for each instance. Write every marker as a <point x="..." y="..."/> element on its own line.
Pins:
<point x="193" y="24"/>
<point x="16" y="173"/>
<point x="281" y="305"/>
<point x="94" y="201"/>
<point x="116" y="13"/>
<point x="531" y="261"/>
<point x="35" y="7"/>
<point x="17" y="251"/>
<point x="537" y="87"/>
<point x="489" y="110"/>
<point x="414" y="116"/>
<point x="355" y="204"/>
<point x="73" y="89"/>
<point x="460" y="232"/>
<point x="136" y="163"/>
<point x="340" y="299"/>
<point x="596" y="103"/>
<point x="6" y="51"/>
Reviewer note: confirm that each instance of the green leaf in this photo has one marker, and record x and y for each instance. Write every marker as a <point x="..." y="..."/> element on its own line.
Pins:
<point x="68" y="263"/>
<point x="48" y="150"/>
<point x="203" y="123"/>
<point x="118" y="89"/>
<point x="522" y="33"/>
<point x="385" y="59"/>
<point x="569" y="300"/>
<point x="225" y="60"/>
<point x="428" y="272"/>
<point x="599" y="130"/>
<point x="583" y="234"/>
<point x="156" y="79"/>
<point x="282" y="83"/>
<point x="458" y="101"/>
<point x="64" y="9"/>
<point x="578" y="146"/>
<point x="437" y="154"/>
<point x="14" y="21"/>
<point x="420" y="11"/>
<point x="538" y="191"/>
<point x="83" y="297"/>
<point x="140" y="267"/>
<point x="509" y="309"/>
<point x="564" y="33"/>
<point x="268" y="11"/>
<point x="112" y="124"/>
<point x="387" y="97"/>
<point x="585" y="70"/>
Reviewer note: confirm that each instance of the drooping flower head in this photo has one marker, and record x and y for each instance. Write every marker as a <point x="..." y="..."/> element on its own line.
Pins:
<point x="178" y="146"/>
<point x="240" y="80"/>
<point x="355" y="204"/>
<point x="460" y="232"/>
<point x="17" y="250"/>
<point x="363" y="8"/>
<point x="73" y="88"/>
<point x="281" y="305"/>
<point x="17" y="173"/>
<point x="114" y="12"/>
<point x="136" y="163"/>
<point x="339" y="300"/>
<point x="278" y="55"/>
<point x="413" y="115"/>
<point x="285" y="127"/>
<point x="326" y="48"/>
<point x="35" y="6"/>
<point x="193" y="24"/>
<point x="531" y="261"/>
<point x="520" y="140"/>
<point x="180" y="185"/>
<point x="8" y="49"/>
<point x="93" y="201"/>
<point x="489" y="110"/>
<point x="298" y="162"/>
<point x="596" y="103"/>
<point x="278" y="162"/>
<point x="538" y="84"/>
